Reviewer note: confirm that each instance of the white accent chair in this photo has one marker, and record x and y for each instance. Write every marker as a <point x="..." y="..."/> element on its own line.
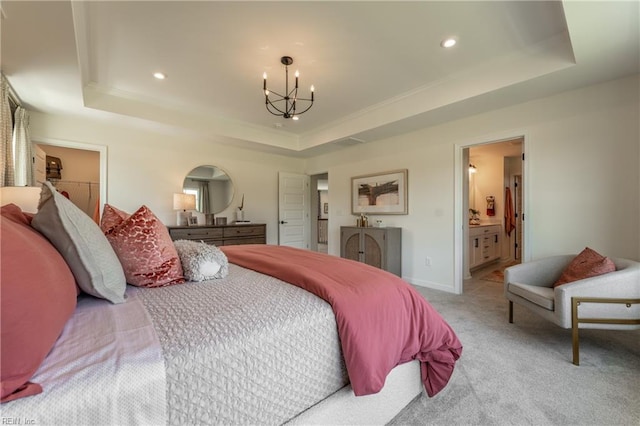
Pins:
<point x="608" y="301"/>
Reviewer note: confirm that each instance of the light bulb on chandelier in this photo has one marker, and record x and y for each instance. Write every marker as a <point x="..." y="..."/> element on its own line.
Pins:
<point x="287" y="105"/>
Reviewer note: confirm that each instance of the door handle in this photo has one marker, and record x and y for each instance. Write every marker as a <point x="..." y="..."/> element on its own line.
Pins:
<point x="282" y="222"/>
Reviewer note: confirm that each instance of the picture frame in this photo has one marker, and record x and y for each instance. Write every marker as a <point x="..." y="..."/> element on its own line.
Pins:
<point x="326" y="208"/>
<point x="193" y="220"/>
<point x="380" y="193"/>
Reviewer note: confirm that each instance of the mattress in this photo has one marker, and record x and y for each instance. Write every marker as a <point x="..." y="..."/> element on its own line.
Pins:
<point x="247" y="349"/>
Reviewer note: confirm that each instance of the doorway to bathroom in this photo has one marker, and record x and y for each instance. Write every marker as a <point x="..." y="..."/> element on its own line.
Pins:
<point x="493" y="199"/>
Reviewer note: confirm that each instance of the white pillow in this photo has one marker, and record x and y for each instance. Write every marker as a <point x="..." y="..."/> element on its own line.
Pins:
<point x="201" y="261"/>
<point x="82" y="244"/>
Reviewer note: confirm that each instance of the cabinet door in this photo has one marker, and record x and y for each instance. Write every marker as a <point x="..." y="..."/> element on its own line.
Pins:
<point x="374" y="248"/>
<point x="475" y="251"/>
<point x="350" y="244"/>
<point x="494" y="251"/>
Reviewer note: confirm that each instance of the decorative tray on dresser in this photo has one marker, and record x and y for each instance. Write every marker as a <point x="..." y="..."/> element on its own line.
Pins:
<point x="222" y="235"/>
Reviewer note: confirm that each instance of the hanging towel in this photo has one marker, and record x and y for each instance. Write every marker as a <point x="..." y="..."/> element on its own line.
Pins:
<point x="509" y="216"/>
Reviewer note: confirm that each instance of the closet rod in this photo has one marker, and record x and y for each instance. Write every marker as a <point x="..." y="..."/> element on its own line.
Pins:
<point x="57" y="181"/>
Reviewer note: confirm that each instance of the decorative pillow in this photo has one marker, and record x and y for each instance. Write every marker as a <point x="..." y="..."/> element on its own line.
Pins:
<point x="144" y="247"/>
<point x="79" y="240"/>
<point x="587" y="264"/>
<point x="112" y="217"/>
<point x="201" y="261"/>
<point x="37" y="297"/>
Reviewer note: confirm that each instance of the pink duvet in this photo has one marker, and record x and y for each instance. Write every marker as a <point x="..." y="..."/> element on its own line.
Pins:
<point x="382" y="321"/>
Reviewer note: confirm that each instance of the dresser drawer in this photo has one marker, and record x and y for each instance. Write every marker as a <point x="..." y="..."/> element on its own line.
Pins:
<point x="243" y="231"/>
<point x="476" y="231"/>
<point x="245" y="240"/>
<point x="196" y="233"/>
<point x="221" y="235"/>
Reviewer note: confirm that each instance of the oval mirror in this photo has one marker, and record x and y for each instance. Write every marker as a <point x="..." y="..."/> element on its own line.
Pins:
<point x="212" y="187"/>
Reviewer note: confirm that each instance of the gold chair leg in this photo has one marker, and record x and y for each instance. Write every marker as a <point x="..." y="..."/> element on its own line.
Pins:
<point x="576" y="346"/>
<point x="574" y="331"/>
<point x="510" y="312"/>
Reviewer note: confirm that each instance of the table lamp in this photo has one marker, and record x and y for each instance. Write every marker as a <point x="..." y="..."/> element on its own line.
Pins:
<point x="183" y="202"/>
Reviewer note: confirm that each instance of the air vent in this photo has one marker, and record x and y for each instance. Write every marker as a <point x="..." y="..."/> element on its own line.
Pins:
<point x="349" y="142"/>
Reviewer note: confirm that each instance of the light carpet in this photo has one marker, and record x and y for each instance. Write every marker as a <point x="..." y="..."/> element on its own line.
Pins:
<point x="522" y="374"/>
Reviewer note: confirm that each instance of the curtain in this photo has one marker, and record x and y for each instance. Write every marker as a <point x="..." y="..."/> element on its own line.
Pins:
<point x="6" y="142"/>
<point x="205" y="198"/>
<point x="23" y="151"/>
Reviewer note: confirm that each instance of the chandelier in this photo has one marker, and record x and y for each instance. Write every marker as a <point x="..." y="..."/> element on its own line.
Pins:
<point x="287" y="105"/>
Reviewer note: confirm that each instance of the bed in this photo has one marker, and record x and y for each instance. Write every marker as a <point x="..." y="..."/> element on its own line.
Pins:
<point x="255" y="347"/>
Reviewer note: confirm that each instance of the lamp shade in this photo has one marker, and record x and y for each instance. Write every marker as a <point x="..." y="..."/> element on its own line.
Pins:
<point x="184" y="201"/>
<point x="25" y="197"/>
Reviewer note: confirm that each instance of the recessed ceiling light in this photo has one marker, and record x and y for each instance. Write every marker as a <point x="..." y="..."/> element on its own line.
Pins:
<point x="449" y="42"/>
<point x="159" y="75"/>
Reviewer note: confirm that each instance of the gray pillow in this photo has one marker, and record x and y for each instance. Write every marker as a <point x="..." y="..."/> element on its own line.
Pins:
<point x="201" y="261"/>
<point x="82" y="244"/>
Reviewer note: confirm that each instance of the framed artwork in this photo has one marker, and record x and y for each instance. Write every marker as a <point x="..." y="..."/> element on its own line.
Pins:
<point x="326" y="208"/>
<point x="380" y="193"/>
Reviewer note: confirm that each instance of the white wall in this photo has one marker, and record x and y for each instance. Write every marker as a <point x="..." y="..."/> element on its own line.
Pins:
<point x="147" y="167"/>
<point x="488" y="179"/>
<point x="582" y="177"/>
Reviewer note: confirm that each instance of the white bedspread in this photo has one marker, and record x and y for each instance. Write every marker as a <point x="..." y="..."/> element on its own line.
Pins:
<point x="248" y="349"/>
<point x="106" y="368"/>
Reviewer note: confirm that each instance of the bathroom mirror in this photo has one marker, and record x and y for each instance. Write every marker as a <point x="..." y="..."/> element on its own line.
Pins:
<point x="212" y="187"/>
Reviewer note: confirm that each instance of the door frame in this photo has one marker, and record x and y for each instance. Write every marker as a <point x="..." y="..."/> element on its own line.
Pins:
<point x="461" y="196"/>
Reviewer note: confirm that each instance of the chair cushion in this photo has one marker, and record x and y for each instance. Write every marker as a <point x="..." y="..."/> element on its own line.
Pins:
<point x="587" y="264"/>
<point x="541" y="296"/>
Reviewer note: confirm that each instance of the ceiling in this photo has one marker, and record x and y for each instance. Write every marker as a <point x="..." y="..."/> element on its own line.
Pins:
<point x="377" y="67"/>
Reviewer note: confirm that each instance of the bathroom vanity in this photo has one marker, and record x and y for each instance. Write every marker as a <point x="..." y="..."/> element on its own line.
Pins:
<point x="484" y="244"/>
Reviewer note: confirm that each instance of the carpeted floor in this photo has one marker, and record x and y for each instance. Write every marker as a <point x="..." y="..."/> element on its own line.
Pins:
<point x="522" y="374"/>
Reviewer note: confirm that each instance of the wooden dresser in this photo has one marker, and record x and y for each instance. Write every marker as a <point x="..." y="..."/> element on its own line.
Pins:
<point x="221" y="235"/>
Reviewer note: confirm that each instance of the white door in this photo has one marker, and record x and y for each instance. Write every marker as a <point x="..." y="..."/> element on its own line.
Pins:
<point x="293" y="210"/>
<point x="39" y="165"/>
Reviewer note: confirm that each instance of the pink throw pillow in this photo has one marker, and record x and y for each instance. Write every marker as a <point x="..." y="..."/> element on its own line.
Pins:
<point x="112" y="217"/>
<point x="144" y="247"/>
<point x="37" y="297"/>
<point x="587" y="264"/>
